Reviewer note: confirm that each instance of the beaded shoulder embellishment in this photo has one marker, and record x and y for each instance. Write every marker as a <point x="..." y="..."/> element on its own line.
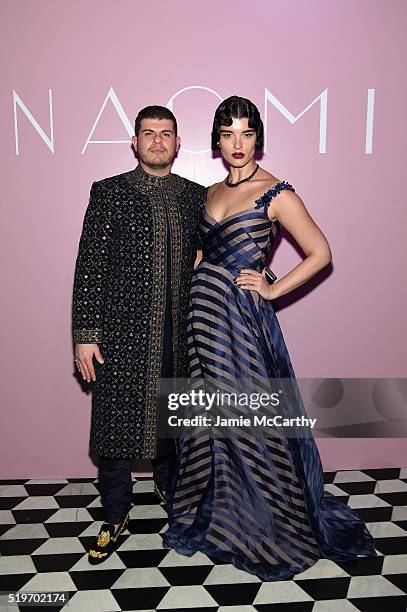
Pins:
<point x="266" y="198"/>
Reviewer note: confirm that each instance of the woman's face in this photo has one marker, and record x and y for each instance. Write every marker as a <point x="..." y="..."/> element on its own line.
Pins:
<point x="237" y="142"/>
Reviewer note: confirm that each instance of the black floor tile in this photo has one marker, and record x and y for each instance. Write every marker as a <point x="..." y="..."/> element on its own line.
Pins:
<point x="294" y="606"/>
<point x="8" y="503"/>
<point x="383" y="473"/>
<point x="4" y="528"/>
<point x="142" y="599"/>
<point x="357" y="488"/>
<point x="329" y="477"/>
<point x="233" y="594"/>
<point x="402" y="524"/>
<point x="145" y="499"/>
<point x="146" y="525"/>
<point x="399" y="580"/>
<point x="13" y="482"/>
<point x="69" y="529"/>
<point x="363" y="566"/>
<point x="391" y="546"/>
<point x="23" y="517"/>
<point x="325" y="588"/>
<point x="14" y="582"/>
<point x="20" y="546"/>
<point x="179" y="576"/>
<point x="61" y="562"/>
<point x="44" y="489"/>
<point x="75" y="501"/>
<point x="398" y="498"/>
<point x="142" y="558"/>
<point x="96" y="513"/>
<point x="395" y="603"/>
<point x="375" y="515"/>
<point x="92" y="580"/>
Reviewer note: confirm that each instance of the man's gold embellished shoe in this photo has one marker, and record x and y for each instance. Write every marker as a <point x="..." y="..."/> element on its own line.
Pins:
<point x="106" y="541"/>
<point x="159" y="493"/>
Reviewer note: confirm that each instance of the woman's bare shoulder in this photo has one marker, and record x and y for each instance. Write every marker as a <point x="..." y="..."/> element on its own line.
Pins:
<point x="213" y="188"/>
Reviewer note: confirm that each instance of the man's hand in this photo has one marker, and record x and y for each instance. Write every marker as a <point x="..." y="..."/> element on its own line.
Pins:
<point x="84" y="354"/>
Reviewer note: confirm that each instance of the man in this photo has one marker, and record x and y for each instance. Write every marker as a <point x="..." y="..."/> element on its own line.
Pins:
<point x="131" y="293"/>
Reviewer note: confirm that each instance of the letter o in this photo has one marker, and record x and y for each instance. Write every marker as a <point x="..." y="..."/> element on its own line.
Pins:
<point x="170" y="106"/>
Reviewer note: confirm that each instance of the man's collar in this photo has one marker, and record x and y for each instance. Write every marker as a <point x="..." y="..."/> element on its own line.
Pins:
<point x="150" y="183"/>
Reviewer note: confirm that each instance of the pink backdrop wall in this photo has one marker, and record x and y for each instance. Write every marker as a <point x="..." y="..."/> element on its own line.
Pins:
<point x="351" y="325"/>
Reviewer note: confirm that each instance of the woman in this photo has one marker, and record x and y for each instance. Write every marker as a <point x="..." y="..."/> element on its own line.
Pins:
<point x="251" y="499"/>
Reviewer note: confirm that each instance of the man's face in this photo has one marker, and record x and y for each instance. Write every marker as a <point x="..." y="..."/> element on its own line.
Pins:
<point x="156" y="144"/>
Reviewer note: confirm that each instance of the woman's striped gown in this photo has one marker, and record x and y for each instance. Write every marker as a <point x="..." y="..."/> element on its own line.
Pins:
<point x="254" y="501"/>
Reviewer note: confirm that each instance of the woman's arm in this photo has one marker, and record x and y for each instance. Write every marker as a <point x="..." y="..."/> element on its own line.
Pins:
<point x="290" y="211"/>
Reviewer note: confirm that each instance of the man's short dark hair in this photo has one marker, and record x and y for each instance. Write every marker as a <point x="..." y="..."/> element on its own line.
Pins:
<point x="236" y="107"/>
<point x="154" y="112"/>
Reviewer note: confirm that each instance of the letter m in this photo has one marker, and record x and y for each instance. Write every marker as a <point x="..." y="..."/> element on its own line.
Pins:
<point x="323" y="100"/>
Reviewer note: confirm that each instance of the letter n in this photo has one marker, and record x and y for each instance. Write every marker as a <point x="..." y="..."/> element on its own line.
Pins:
<point x="49" y="141"/>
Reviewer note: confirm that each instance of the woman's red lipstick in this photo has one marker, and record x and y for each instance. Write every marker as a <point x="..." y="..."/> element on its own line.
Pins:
<point x="238" y="155"/>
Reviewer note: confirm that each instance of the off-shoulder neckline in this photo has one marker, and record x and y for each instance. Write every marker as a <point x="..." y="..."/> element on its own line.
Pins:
<point x="244" y="210"/>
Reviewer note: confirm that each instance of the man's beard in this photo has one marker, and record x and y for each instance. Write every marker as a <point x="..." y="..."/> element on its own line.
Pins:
<point x="156" y="163"/>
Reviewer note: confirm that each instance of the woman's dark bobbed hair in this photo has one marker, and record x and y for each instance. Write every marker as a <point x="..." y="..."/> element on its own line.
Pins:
<point x="236" y="107"/>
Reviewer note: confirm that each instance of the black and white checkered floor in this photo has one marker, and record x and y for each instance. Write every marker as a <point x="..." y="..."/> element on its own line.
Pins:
<point x="46" y="527"/>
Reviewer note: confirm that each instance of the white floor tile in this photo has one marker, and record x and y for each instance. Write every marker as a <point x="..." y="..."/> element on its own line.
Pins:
<point x="50" y="581"/>
<point x="37" y="502"/>
<point x="142" y="541"/>
<point x="366" y="501"/>
<point x="331" y="488"/>
<point x="26" y="532"/>
<point x="399" y="513"/>
<point x="323" y="568"/>
<point x="141" y="577"/>
<point x="6" y="517"/>
<point x="280" y="592"/>
<point x="385" y="530"/>
<point x="17" y="564"/>
<point x="194" y="597"/>
<point x="351" y="476"/>
<point x="334" y="605"/>
<point x="93" y="601"/>
<point x="150" y="512"/>
<point x="70" y="515"/>
<point x="13" y="491"/>
<point x="93" y="529"/>
<point x="60" y="546"/>
<point x="83" y="565"/>
<point x="143" y="486"/>
<point x="173" y="559"/>
<point x="390" y="486"/>
<point x="395" y="564"/>
<point x="228" y="574"/>
<point x="371" y="586"/>
<point x="79" y="488"/>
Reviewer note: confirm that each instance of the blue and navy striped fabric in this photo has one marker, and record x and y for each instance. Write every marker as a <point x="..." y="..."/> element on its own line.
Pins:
<point x="254" y="501"/>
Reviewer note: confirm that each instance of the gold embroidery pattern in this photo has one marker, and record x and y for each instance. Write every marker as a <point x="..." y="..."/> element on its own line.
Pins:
<point x="176" y="247"/>
<point x="156" y="331"/>
<point x="87" y="336"/>
<point x="104" y="538"/>
<point x="97" y="554"/>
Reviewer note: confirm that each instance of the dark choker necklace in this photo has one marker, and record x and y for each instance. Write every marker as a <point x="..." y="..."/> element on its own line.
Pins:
<point x="229" y="184"/>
